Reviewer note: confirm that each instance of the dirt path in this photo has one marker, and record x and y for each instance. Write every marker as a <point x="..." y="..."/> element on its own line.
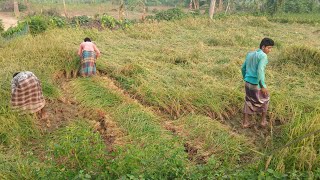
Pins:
<point x="8" y="19"/>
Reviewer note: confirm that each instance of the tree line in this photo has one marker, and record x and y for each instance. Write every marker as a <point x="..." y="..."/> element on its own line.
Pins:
<point x="210" y="6"/>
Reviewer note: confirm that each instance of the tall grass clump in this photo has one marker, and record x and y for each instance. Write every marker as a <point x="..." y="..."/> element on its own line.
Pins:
<point x="301" y="56"/>
<point x="304" y="154"/>
<point x="300" y="110"/>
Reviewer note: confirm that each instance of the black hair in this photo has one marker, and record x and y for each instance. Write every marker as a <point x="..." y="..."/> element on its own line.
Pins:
<point x="14" y="75"/>
<point x="266" y="42"/>
<point x="87" y="39"/>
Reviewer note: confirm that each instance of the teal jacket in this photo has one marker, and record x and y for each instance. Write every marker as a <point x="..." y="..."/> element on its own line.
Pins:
<point x="253" y="68"/>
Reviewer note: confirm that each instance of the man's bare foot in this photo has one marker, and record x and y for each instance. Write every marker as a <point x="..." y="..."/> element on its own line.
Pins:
<point x="245" y="125"/>
<point x="264" y="123"/>
<point x="43" y="114"/>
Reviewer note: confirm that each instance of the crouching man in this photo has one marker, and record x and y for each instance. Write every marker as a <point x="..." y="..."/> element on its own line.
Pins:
<point x="26" y="94"/>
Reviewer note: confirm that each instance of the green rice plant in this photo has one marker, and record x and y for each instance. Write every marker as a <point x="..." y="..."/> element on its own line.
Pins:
<point x="71" y="65"/>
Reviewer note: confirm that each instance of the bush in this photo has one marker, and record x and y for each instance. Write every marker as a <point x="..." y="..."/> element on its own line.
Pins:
<point x="108" y="21"/>
<point x="37" y="24"/>
<point x="57" y="22"/>
<point x="298" y="6"/>
<point x="22" y="7"/>
<point x="80" y="20"/>
<point x="1" y="26"/>
<point x="170" y="14"/>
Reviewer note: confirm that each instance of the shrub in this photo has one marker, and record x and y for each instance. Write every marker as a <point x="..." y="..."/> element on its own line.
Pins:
<point x="108" y="21"/>
<point x="22" y="7"/>
<point x="1" y="26"/>
<point x="80" y="20"/>
<point x="170" y="14"/>
<point x="57" y="21"/>
<point x="37" y="24"/>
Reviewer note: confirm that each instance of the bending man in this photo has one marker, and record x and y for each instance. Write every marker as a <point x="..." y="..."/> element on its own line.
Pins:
<point x="26" y="94"/>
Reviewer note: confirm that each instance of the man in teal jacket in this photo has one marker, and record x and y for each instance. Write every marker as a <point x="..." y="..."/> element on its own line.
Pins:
<point x="253" y="72"/>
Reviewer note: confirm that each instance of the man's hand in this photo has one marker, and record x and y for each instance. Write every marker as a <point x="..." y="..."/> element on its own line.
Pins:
<point x="265" y="91"/>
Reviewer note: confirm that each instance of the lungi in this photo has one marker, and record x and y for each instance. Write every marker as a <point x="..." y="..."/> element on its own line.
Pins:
<point x="88" y="64"/>
<point x="27" y="95"/>
<point x="255" y="100"/>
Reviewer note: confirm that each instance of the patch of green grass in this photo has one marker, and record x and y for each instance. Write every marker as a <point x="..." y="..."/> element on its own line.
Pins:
<point x="77" y="148"/>
<point x="15" y="133"/>
<point x="16" y="129"/>
<point x="151" y="153"/>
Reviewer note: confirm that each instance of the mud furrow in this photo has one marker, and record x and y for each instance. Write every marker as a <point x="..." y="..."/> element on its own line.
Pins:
<point x="64" y="110"/>
<point x="193" y="150"/>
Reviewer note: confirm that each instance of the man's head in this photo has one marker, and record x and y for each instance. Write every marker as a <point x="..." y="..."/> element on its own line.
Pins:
<point x="266" y="45"/>
<point x="87" y="39"/>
